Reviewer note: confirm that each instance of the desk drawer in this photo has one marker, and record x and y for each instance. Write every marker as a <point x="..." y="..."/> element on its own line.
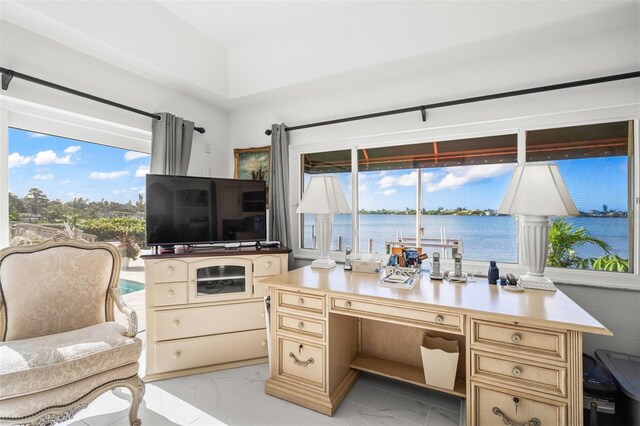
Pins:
<point x="301" y="362"/>
<point x="210" y="350"/>
<point x="528" y="341"/>
<point x="170" y="294"/>
<point x="452" y="323"/>
<point x="171" y="270"/>
<point x="497" y="407"/>
<point x="517" y="372"/>
<point x="301" y="326"/>
<point x="302" y="302"/>
<point x="265" y="266"/>
<point x="191" y="322"/>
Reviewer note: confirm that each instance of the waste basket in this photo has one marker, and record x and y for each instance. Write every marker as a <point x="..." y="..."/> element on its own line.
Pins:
<point x="626" y="372"/>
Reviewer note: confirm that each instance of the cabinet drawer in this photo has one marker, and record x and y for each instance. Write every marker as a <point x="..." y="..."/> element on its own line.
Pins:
<point x="301" y="362"/>
<point x="170" y="294"/>
<point x="495" y="336"/>
<point x="497" y="407"/>
<point x="210" y="350"/>
<point x="301" y="302"/>
<point x="265" y="266"/>
<point x="190" y="322"/>
<point x="452" y="323"/>
<point x="516" y="372"/>
<point x="167" y="271"/>
<point x="302" y="326"/>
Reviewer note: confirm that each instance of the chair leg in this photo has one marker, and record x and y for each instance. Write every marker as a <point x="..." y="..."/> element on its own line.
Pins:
<point x="136" y="385"/>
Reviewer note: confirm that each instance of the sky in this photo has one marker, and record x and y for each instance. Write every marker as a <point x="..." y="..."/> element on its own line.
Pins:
<point x="66" y="169"/>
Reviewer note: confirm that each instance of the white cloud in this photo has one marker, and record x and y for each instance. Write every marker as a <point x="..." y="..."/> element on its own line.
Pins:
<point x="108" y="175"/>
<point x="407" y="179"/>
<point x="72" y="149"/>
<point x="389" y="192"/>
<point x="65" y="181"/>
<point x="17" y="160"/>
<point x="49" y="157"/>
<point x="133" y="155"/>
<point x="142" y="171"/>
<point x="362" y="187"/>
<point x="460" y="176"/>
<point x="44" y="177"/>
<point x="36" y="135"/>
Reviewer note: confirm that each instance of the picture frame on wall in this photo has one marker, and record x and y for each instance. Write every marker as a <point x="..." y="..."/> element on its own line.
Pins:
<point x="253" y="164"/>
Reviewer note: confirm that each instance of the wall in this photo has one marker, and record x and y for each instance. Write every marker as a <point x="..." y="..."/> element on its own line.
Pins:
<point x="593" y="54"/>
<point x="32" y="54"/>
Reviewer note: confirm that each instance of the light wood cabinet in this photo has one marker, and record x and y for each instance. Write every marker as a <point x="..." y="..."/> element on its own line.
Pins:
<point x="205" y="310"/>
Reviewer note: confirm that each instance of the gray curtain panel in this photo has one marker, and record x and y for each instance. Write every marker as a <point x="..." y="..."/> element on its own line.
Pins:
<point x="279" y="218"/>
<point x="171" y="139"/>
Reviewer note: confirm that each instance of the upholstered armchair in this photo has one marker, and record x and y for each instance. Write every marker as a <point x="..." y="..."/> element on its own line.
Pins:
<point x="59" y="345"/>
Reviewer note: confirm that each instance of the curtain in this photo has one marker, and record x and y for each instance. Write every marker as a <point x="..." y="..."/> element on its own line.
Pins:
<point x="279" y="222"/>
<point x="171" y="139"/>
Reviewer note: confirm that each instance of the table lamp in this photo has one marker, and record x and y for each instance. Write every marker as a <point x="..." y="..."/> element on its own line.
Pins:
<point x="324" y="198"/>
<point x="536" y="192"/>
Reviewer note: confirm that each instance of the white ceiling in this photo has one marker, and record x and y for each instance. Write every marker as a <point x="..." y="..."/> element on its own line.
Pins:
<point x="238" y="53"/>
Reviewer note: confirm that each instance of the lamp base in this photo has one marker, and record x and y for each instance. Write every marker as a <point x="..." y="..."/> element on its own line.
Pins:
<point x="537" y="282"/>
<point x="325" y="263"/>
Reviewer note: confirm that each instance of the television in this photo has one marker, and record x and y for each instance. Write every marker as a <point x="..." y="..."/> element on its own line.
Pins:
<point x="196" y="210"/>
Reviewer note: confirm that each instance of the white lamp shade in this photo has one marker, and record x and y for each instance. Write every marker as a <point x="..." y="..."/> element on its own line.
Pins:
<point x="323" y="196"/>
<point x="538" y="190"/>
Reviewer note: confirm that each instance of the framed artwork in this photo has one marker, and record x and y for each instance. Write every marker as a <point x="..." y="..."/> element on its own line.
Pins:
<point x="253" y="164"/>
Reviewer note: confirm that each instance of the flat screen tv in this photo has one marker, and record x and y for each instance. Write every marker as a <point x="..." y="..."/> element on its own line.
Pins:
<point x="195" y="210"/>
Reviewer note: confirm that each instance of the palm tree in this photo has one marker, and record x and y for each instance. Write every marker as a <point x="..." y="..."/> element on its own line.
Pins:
<point x="564" y="239"/>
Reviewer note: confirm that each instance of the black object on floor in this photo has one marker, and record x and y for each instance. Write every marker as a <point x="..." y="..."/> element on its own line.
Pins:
<point x="599" y="387"/>
<point x="626" y="372"/>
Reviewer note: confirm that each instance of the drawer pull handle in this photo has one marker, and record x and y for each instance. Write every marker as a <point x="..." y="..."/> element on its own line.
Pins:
<point x="171" y="293"/>
<point x="300" y="325"/>
<point x="516" y="338"/>
<point x="507" y="421"/>
<point x="439" y="319"/>
<point x="176" y="354"/>
<point x="176" y="323"/>
<point x="301" y="301"/>
<point x="347" y="304"/>
<point x="267" y="265"/>
<point x="170" y="269"/>
<point x="263" y="343"/>
<point x="516" y="371"/>
<point x="298" y="362"/>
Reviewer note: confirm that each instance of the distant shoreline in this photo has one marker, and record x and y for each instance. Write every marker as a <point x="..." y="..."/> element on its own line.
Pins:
<point x="610" y="214"/>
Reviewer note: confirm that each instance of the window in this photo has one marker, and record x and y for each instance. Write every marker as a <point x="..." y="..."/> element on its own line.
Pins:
<point x="461" y="184"/>
<point x="332" y="163"/>
<point x="596" y="164"/>
<point x="58" y="185"/>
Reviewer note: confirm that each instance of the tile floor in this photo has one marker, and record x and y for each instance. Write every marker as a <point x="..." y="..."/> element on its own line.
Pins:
<point x="236" y="397"/>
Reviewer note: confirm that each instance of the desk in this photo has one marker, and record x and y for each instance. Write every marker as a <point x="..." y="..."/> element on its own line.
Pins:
<point x="520" y="353"/>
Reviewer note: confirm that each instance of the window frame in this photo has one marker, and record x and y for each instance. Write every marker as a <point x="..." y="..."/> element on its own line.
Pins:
<point x="519" y="126"/>
<point x="16" y="113"/>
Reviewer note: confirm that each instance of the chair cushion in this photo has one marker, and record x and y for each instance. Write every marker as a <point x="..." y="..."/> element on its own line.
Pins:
<point x="41" y="363"/>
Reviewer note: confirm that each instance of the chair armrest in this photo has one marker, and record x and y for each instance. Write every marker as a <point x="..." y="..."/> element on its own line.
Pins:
<point x="132" y="317"/>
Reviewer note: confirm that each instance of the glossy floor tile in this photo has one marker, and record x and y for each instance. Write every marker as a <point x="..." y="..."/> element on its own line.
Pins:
<point x="236" y="397"/>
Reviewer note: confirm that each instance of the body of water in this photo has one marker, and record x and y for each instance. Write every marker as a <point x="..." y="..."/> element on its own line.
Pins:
<point x="483" y="237"/>
<point x="128" y="286"/>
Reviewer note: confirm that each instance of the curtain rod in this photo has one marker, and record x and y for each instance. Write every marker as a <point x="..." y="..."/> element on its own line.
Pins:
<point x="423" y="108"/>
<point x="8" y="74"/>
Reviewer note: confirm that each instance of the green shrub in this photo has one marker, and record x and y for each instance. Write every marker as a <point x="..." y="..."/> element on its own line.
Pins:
<point x="109" y="229"/>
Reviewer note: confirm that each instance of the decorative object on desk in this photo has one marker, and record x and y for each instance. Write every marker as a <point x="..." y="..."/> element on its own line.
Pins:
<point x="456" y="278"/>
<point x="324" y="198"/>
<point x="536" y="192"/>
<point x="347" y="260"/>
<point x="397" y="277"/>
<point x="253" y="164"/>
<point x="366" y="266"/>
<point x="493" y="273"/>
<point x="440" y="361"/>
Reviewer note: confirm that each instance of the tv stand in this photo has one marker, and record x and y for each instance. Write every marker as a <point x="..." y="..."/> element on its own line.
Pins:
<point x="205" y="309"/>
